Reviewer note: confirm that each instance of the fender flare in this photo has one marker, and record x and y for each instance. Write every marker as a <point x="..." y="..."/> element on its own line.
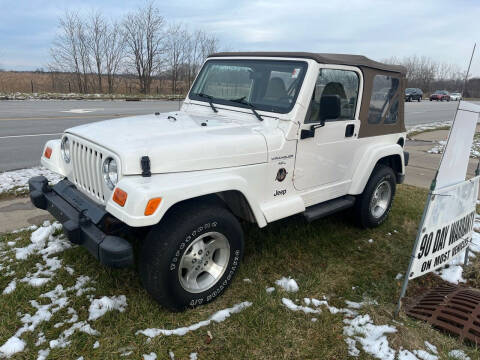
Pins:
<point x="173" y="189"/>
<point x="372" y="157"/>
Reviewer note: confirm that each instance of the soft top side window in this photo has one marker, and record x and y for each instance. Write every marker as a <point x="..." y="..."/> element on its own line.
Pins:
<point x="334" y="87"/>
<point x="384" y="102"/>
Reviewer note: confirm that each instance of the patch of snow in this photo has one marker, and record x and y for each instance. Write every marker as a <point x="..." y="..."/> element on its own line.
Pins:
<point x="432" y="348"/>
<point x="193" y="356"/>
<point x="430" y="126"/>
<point x="352" y="347"/>
<point x="151" y="356"/>
<point x="10" y="287"/>
<point x="370" y="241"/>
<point x="371" y="337"/>
<point x="399" y="276"/>
<point x="80" y="358"/>
<point x="12" y="346"/>
<point x="171" y="354"/>
<point x="314" y="320"/>
<point x="218" y="317"/>
<point x="96" y="345"/>
<point x="247" y="281"/>
<point x="423" y="355"/>
<point x="458" y="354"/>
<point x="28" y="228"/>
<point x="62" y="341"/>
<point x="292" y="306"/>
<point x="289" y="285"/>
<point x="269" y="290"/>
<point x="126" y="353"/>
<point x="406" y="355"/>
<point x="99" y="307"/>
<point x="18" y="179"/>
<point x="43" y="354"/>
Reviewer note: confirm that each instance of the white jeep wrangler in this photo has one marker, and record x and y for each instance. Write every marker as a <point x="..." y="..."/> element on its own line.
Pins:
<point x="260" y="136"/>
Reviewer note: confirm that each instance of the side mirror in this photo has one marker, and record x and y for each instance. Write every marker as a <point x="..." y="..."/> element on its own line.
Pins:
<point x="329" y="109"/>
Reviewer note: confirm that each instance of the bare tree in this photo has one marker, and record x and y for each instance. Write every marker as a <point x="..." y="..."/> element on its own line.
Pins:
<point x="114" y="46"/>
<point x="144" y="36"/>
<point x="96" y="34"/>
<point x="177" y="51"/>
<point x="65" y="51"/>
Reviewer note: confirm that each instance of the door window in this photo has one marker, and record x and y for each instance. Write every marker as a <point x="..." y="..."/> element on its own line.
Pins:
<point x="334" y="88"/>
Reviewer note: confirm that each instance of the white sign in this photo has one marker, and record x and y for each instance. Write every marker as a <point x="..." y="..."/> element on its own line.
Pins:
<point x="447" y="228"/>
<point x="453" y="167"/>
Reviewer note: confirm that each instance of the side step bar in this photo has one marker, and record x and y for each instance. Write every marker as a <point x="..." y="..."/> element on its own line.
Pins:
<point x="328" y="207"/>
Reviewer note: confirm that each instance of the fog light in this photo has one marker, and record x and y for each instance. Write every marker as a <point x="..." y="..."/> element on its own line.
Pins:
<point x="152" y="206"/>
<point x="120" y="197"/>
<point x="48" y="152"/>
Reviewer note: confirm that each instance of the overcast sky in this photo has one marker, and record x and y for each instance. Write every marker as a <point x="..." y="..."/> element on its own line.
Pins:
<point x="442" y="30"/>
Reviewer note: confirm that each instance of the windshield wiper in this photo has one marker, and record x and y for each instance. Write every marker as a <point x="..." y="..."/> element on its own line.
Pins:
<point x="249" y="104"/>
<point x="210" y="100"/>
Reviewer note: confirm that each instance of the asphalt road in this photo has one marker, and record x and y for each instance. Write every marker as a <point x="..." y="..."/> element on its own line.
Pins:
<point x="25" y="126"/>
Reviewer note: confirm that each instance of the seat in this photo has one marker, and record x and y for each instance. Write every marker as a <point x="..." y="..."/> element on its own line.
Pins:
<point x="276" y="90"/>
<point x="334" y="88"/>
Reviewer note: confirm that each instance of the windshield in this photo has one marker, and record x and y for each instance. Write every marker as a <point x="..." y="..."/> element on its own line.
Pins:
<point x="268" y="85"/>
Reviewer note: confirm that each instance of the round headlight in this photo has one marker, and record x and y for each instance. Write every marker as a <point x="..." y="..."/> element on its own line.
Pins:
<point x="110" y="173"/>
<point x="65" y="148"/>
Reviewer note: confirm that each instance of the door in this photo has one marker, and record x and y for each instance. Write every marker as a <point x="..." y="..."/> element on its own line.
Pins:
<point x="325" y="156"/>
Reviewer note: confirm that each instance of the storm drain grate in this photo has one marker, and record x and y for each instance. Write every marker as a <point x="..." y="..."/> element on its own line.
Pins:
<point x="454" y="309"/>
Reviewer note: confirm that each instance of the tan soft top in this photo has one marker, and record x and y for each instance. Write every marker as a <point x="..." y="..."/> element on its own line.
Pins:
<point x="338" y="59"/>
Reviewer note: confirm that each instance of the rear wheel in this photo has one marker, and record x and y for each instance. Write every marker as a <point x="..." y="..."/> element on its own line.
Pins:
<point x="374" y="204"/>
<point x="191" y="257"/>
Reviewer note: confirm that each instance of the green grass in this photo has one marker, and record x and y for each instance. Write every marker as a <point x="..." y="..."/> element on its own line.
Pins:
<point x="328" y="257"/>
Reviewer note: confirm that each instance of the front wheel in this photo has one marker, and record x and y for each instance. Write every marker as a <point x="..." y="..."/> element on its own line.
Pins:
<point x="191" y="257"/>
<point x="374" y="204"/>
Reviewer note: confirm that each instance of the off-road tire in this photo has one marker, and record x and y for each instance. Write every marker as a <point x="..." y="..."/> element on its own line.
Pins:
<point x="362" y="209"/>
<point x="162" y="250"/>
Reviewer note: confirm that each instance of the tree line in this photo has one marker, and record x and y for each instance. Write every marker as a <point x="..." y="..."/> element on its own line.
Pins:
<point x="430" y="75"/>
<point x="96" y="51"/>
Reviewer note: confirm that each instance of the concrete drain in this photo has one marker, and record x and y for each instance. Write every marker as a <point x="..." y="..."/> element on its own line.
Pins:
<point x="454" y="309"/>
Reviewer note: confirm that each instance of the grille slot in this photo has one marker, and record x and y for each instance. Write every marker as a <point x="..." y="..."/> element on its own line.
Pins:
<point x="87" y="171"/>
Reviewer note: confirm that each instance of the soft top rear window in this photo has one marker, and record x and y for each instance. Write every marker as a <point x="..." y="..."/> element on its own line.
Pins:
<point x="268" y="85"/>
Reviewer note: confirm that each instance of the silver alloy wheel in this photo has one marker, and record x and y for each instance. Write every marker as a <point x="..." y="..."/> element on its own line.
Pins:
<point x="380" y="199"/>
<point x="204" y="262"/>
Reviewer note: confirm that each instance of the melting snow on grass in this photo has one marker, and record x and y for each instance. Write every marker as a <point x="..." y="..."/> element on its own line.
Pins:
<point x="428" y="127"/>
<point x="18" y="180"/>
<point x="218" y="317"/>
<point x="289" y="284"/>
<point x="45" y="242"/>
<point x="458" y="354"/>
<point x="99" y="307"/>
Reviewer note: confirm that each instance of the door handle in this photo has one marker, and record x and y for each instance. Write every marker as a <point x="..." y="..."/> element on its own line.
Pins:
<point x="349" y="130"/>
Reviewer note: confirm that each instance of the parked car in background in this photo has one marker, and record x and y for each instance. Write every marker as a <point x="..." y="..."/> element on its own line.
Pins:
<point x="455" y="96"/>
<point x="413" y="94"/>
<point x="440" y="95"/>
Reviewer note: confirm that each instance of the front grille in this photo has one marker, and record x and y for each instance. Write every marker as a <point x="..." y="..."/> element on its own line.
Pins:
<point x="87" y="169"/>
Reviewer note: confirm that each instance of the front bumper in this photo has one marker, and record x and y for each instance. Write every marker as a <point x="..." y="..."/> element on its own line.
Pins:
<point x="81" y="219"/>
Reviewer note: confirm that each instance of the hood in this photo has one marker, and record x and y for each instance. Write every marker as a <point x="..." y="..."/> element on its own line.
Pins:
<point x="179" y="141"/>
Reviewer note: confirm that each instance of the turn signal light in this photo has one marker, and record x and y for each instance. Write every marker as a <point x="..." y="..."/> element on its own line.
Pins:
<point x="48" y="152"/>
<point x="152" y="206"/>
<point x="120" y="197"/>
